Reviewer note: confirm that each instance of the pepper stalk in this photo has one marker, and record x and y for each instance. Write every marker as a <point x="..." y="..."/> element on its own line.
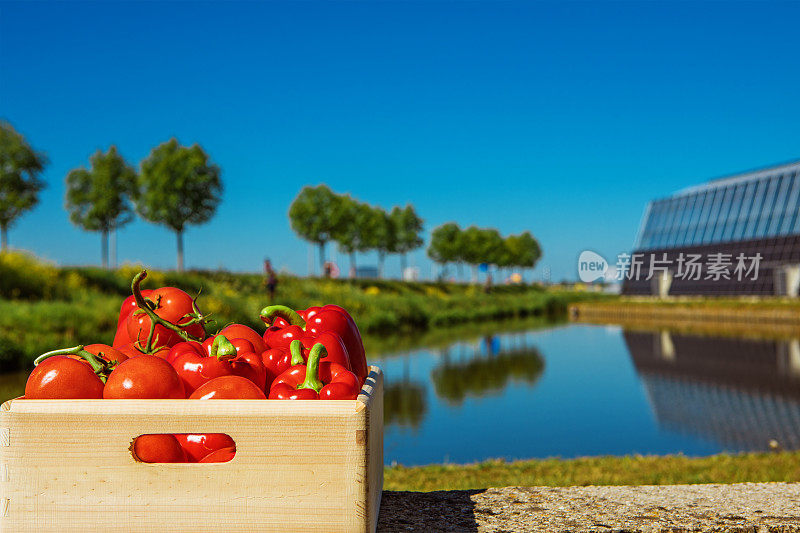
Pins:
<point x="312" y="380"/>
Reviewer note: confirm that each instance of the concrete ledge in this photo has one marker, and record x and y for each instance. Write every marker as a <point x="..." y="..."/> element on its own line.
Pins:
<point x="739" y="508"/>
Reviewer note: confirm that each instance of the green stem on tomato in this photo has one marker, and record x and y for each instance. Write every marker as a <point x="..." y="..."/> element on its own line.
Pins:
<point x="296" y="349"/>
<point x="222" y="348"/>
<point x="154" y="318"/>
<point x="100" y="367"/>
<point x="271" y="312"/>
<point x="312" y="380"/>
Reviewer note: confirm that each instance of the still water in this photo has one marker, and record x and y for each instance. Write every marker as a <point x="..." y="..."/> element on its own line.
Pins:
<point x="577" y="389"/>
<point x="518" y="391"/>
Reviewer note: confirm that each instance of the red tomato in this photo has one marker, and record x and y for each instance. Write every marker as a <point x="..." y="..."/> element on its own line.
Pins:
<point x="228" y="388"/>
<point x="145" y="376"/>
<point x="159" y="448"/>
<point x="240" y="331"/>
<point x="223" y="455"/>
<point x="106" y="352"/>
<point x="128" y="307"/>
<point x="172" y="305"/>
<point x="200" y="445"/>
<point x="129" y="349"/>
<point x="62" y="377"/>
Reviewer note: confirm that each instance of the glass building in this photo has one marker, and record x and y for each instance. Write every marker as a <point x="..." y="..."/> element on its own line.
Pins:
<point x="746" y="222"/>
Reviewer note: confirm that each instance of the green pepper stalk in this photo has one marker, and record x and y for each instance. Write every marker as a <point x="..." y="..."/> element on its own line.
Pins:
<point x="101" y="368"/>
<point x="269" y="313"/>
<point x="296" y="349"/>
<point x="312" y="380"/>
<point x="222" y="348"/>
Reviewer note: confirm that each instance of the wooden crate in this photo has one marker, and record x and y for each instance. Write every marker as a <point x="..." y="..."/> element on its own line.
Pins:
<point x="66" y="465"/>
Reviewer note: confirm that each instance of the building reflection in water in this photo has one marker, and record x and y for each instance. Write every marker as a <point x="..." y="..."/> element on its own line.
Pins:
<point x="740" y="393"/>
<point x="485" y="368"/>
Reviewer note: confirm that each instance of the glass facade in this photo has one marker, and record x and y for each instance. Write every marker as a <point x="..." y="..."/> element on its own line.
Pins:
<point x="751" y="214"/>
<point x="762" y="205"/>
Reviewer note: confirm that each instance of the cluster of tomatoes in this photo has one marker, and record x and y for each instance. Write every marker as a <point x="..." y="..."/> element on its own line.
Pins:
<point x="161" y="351"/>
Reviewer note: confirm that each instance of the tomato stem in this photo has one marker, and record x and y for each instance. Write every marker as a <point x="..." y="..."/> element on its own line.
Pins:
<point x="312" y="380"/>
<point x="271" y="312"/>
<point x="154" y="318"/>
<point x="101" y="367"/>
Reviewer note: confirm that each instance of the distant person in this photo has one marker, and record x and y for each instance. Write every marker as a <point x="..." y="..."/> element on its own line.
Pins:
<point x="487" y="286"/>
<point x="328" y="270"/>
<point x="270" y="279"/>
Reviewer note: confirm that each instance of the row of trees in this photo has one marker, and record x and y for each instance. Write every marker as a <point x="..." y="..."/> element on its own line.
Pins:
<point x="319" y="215"/>
<point x="175" y="186"/>
<point x="474" y="246"/>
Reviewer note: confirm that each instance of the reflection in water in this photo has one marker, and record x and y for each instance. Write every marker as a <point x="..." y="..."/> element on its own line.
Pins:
<point x="739" y="393"/>
<point x="404" y="404"/>
<point x="478" y="373"/>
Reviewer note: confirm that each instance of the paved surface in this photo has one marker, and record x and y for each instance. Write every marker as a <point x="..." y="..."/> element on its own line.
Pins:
<point x="738" y="508"/>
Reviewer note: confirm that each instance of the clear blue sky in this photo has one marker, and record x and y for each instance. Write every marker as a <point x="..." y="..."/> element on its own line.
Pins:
<point x="563" y="119"/>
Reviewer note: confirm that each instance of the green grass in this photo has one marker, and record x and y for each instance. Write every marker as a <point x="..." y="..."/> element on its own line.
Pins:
<point x="43" y="307"/>
<point x="605" y="470"/>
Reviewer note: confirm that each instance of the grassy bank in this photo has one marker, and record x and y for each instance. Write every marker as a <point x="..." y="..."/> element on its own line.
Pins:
<point x="607" y="470"/>
<point x="43" y="306"/>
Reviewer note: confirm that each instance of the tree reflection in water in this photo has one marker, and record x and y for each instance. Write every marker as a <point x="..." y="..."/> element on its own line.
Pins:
<point x="404" y="403"/>
<point x="486" y="371"/>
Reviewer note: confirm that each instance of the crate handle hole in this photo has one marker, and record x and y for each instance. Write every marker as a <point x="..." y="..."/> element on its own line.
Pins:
<point x="183" y="448"/>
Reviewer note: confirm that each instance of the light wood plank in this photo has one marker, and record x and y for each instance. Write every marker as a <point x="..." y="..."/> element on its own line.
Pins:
<point x="299" y="464"/>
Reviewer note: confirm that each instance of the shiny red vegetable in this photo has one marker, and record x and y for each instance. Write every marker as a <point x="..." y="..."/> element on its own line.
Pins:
<point x="158" y="448"/>
<point x="198" y="446"/>
<point x="62" y="377"/>
<point x="224" y="360"/>
<point x="228" y="388"/>
<point x="316" y="380"/>
<point x="317" y="324"/>
<point x="145" y="376"/>
<point x="223" y="455"/>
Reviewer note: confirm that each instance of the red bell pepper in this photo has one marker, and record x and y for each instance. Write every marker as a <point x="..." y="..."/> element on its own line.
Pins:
<point x="316" y="380"/>
<point x="327" y="318"/>
<point x="279" y="360"/>
<point x="282" y="337"/>
<point x="196" y="369"/>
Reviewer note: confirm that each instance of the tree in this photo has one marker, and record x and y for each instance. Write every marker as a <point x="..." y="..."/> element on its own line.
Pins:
<point x="316" y="215"/>
<point x="353" y="234"/>
<point x="524" y="250"/>
<point x="383" y="236"/>
<point x="20" y="166"/>
<point x="471" y="250"/>
<point x="531" y="251"/>
<point x="408" y="226"/>
<point x="491" y="247"/>
<point x="443" y="247"/>
<point x="98" y="198"/>
<point x="177" y="186"/>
